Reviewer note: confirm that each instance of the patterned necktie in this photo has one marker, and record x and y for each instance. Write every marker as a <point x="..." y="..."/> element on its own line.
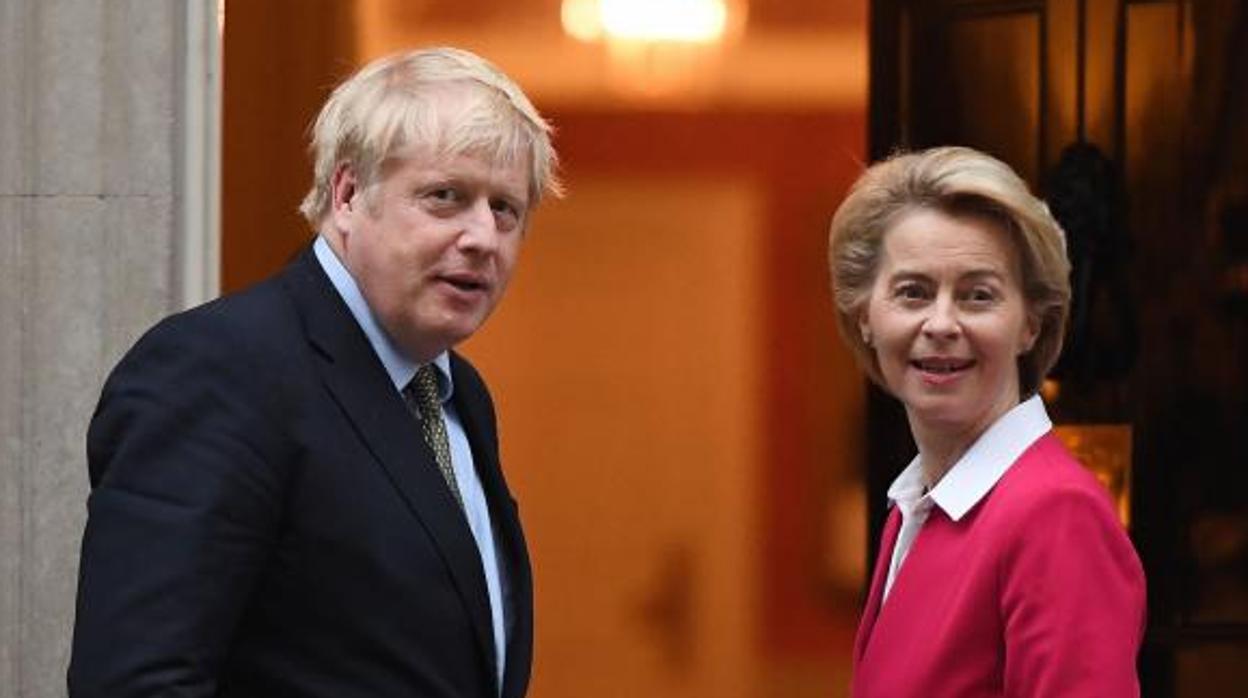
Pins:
<point x="421" y="396"/>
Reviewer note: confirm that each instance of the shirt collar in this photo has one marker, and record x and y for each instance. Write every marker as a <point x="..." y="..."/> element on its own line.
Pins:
<point x="908" y="487"/>
<point x="982" y="466"/>
<point x="400" y="368"/>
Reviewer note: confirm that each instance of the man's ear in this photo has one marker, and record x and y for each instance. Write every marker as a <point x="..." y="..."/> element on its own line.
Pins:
<point x="344" y="190"/>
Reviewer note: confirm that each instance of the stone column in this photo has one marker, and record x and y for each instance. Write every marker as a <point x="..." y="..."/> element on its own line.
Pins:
<point x="106" y="214"/>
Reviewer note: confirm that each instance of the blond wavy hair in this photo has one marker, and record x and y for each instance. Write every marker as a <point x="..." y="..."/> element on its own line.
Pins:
<point x="956" y="181"/>
<point x="393" y="103"/>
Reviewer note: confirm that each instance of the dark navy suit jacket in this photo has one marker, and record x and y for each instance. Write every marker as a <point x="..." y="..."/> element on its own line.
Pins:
<point x="265" y="519"/>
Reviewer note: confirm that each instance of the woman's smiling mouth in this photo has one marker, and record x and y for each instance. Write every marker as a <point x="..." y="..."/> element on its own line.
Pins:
<point x="941" y="369"/>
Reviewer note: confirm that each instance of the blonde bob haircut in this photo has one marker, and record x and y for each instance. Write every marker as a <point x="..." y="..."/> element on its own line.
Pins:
<point x="959" y="182"/>
<point x="398" y="101"/>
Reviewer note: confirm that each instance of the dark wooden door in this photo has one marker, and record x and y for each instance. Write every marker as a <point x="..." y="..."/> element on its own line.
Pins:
<point x="1131" y="117"/>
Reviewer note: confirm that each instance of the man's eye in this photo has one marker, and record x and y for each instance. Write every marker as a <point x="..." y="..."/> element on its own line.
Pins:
<point x="444" y="195"/>
<point x="507" y="214"/>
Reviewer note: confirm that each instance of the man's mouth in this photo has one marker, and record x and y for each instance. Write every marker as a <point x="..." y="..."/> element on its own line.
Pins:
<point x="468" y="283"/>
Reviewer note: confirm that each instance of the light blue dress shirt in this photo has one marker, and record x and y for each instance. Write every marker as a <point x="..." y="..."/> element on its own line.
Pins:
<point x="401" y="371"/>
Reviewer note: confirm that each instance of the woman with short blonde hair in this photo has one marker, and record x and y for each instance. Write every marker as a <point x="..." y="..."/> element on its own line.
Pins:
<point x="1003" y="570"/>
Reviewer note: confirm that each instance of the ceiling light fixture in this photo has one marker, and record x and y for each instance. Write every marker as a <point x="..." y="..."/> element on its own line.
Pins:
<point x="679" y="21"/>
<point x="657" y="48"/>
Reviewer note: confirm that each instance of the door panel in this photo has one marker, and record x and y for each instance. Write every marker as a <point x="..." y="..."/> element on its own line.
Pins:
<point x="1000" y="111"/>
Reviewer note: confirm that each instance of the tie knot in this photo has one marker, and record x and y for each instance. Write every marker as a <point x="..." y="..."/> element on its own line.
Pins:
<point x="425" y="383"/>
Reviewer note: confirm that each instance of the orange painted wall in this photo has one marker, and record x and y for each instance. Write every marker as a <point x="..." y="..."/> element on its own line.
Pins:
<point x="280" y="60"/>
<point x="804" y="483"/>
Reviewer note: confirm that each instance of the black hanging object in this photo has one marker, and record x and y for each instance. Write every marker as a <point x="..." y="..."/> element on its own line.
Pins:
<point x="1085" y="196"/>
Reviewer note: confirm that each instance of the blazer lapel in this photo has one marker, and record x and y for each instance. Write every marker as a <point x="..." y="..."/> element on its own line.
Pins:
<point x="479" y="425"/>
<point x="875" y="597"/>
<point x="359" y="383"/>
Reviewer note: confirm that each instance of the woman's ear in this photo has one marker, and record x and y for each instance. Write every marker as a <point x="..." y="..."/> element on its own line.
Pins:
<point x="1031" y="332"/>
<point x="864" y="326"/>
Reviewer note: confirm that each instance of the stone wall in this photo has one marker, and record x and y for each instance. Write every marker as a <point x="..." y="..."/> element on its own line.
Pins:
<point x="93" y="249"/>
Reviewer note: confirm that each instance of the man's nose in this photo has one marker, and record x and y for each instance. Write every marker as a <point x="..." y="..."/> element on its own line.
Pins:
<point x="480" y="228"/>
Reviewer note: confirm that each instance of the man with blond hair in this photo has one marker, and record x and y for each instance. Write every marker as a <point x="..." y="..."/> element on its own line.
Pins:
<point x="296" y="490"/>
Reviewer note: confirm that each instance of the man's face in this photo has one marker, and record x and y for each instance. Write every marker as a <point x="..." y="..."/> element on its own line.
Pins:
<point x="432" y="244"/>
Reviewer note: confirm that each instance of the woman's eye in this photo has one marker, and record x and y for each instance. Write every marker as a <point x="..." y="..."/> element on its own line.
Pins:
<point x="981" y="295"/>
<point x="910" y="292"/>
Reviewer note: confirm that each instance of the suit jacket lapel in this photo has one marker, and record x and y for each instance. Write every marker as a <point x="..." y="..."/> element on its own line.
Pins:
<point x="359" y="383"/>
<point x="875" y="597"/>
<point x="478" y="423"/>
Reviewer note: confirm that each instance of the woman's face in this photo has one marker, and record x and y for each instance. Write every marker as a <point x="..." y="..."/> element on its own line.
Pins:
<point x="946" y="319"/>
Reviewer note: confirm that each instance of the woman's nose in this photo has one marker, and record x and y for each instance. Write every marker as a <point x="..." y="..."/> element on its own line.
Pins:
<point x="942" y="322"/>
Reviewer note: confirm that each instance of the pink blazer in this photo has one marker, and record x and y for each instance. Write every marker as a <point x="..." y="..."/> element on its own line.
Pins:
<point x="1036" y="591"/>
